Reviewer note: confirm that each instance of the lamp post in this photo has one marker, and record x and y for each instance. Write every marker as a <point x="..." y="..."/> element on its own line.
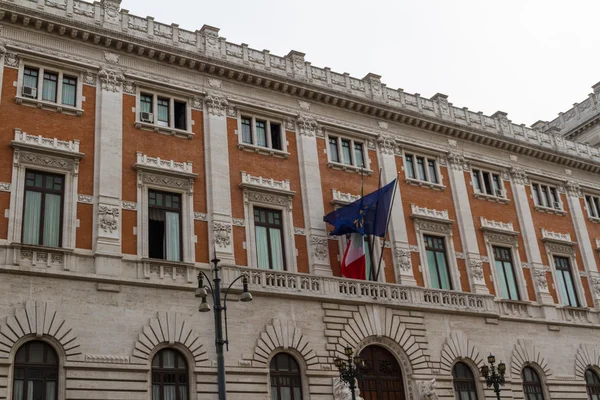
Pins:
<point x="494" y="377"/>
<point x="349" y="369"/>
<point x="215" y="292"/>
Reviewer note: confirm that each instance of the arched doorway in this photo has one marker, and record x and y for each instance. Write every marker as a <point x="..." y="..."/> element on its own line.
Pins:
<point x="382" y="376"/>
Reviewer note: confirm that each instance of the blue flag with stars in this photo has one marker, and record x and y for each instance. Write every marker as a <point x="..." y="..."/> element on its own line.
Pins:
<point x="367" y="215"/>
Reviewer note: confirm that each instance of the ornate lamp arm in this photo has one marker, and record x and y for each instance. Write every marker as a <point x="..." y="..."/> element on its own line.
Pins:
<point x="212" y="291"/>
<point x="225" y="309"/>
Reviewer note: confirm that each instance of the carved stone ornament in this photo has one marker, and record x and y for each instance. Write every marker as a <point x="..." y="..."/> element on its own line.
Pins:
<point x="129" y="87"/>
<point x="307" y="125"/>
<point x="108" y="218"/>
<point x="4" y="187"/>
<point x="197" y="103"/>
<point x="111" y="79"/>
<point x="457" y="161"/>
<point x="476" y="269"/>
<point x="89" y="78"/>
<point x="539" y="276"/>
<point x="341" y="390"/>
<point x="573" y="189"/>
<point x="84" y="198"/>
<point x="215" y="83"/>
<point x="47" y="161"/>
<point x="222" y="234"/>
<point x="130" y="205"/>
<point x="596" y="285"/>
<point x="427" y="390"/>
<point x="111" y="10"/>
<point x="304" y="105"/>
<point x="165" y="181"/>
<point x="403" y="259"/>
<point x="431" y="226"/>
<point x="260" y="197"/>
<point x="216" y="105"/>
<point x="387" y="144"/>
<point x="2" y="49"/>
<point x="111" y="57"/>
<point x="382" y="125"/>
<point x="290" y="125"/>
<point x="319" y="247"/>
<point x="11" y="60"/>
<point x="519" y="176"/>
<point x="198" y="216"/>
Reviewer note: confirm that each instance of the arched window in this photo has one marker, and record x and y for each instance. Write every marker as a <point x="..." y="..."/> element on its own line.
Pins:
<point x="169" y="376"/>
<point x="592" y="383"/>
<point x="464" y="382"/>
<point x="382" y="376"/>
<point x="286" y="381"/>
<point x="532" y="385"/>
<point x="36" y="372"/>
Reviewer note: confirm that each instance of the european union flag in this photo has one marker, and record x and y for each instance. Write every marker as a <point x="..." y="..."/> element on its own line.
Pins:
<point x="367" y="215"/>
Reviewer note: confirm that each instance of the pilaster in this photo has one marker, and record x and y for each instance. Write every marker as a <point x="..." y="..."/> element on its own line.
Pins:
<point x="2" y="53"/>
<point x="217" y="175"/>
<point x="397" y="229"/>
<point x="312" y="196"/>
<point x="538" y="270"/>
<point x="108" y="170"/>
<point x="456" y="171"/>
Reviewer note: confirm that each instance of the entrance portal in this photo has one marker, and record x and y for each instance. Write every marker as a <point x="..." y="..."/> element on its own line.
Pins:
<point x="382" y="376"/>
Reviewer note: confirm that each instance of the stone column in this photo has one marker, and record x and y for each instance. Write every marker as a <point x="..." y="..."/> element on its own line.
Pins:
<point x="217" y="177"/>
<point x="312" y="195"/>
<point x="397" y="228"/>
<point x="456" y="171"/>
<point x="528" y="232"/>
<point x="2" y="53"/>
<point x="583" y="239"/>
<point x="108" y="171"/>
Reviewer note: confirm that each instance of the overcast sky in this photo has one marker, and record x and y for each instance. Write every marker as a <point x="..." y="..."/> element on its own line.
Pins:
<point x="529" y="58"/>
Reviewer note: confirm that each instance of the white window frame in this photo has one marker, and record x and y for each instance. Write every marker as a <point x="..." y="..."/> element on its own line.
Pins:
<point x="503" y="198"/>
<point x="591" y="217"/>
<point x="253" y="147"/>
<point x="543" y="208"/>
<point x="566" y="250"/>
<point x="494" y="238"/>
<point x="151" y="176"/>
<point x="47" y="155"/>
<point x="167" y="130"/>
<point x="50" y="105"/>
<point x="416" y="181"/>
<point x="353" y="140"/>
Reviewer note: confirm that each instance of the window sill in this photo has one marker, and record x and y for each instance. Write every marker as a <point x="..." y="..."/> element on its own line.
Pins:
<point x="595" y="220"/>
<point x="493" y="199"/>
<point x="164" y="130"/>
<point x="166" y="262"/>
<point x="263" y="150"/>
<point x="550" y="210"/>
<point x="416" y="182"/>
<point x="36" y="247"/>
<point x="47" y="105"/>
<point x="349" y="168"/>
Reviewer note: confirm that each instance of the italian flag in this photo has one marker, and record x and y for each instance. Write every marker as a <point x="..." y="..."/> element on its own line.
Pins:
<point x="354" y="261"/>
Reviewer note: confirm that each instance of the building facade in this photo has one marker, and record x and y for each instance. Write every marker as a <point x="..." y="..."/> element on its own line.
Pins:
<point x="132" y="152"/>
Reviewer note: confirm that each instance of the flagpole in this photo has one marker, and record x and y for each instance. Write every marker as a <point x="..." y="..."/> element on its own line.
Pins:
<point x="372" y="242"/>
<point x="387" y="225"/>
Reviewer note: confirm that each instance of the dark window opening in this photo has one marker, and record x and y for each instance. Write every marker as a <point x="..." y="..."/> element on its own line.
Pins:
<point x="437" y="262"/>
<point x="286" y="381"/>
<point x="532" y="385"/>
<point x="268" y="229"/>
<point x="169" y="376"/>
<point x="35" y="372"/>
<point x="180" y="109"/>
<point x="276" y="136"/>
<point x="246" y="130"/>
<point x="42" y="211"/>
<point x="164" y="226"/>
<point x="333" y="149"/>
<point x="464" y="382"/>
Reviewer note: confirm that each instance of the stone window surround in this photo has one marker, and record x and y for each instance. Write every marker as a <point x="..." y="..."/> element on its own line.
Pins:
<point x="168" y="181"/>
<point x="538" y="181"/>
<point x="440" y="228"/>
<point x="69" y="159"/>
<point x="507" y="239"/>
<point x="354" y="138"/>
<point x="430" y="155"/>
<point x="61" y="69"/>
<point x="256" y="195"/>
<point x="185" y="353"/>
<point x="586" y="207"/>
<point x="541" y="374"/>
<point x="472" y="365"/>
<point x="253" y="147"/>
<point x="491" y="171"/>
<point x="303" y="368"/>
<point x="565" y="249"/>
<point x="157" y="91"/>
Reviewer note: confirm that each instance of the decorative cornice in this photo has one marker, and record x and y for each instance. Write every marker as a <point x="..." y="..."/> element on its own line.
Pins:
<point x="106" y="359"/>
<point x="266" y="184"/>
<point x="564" y="238"/>
<point x="495" y="226"/>
<point x="156" y="164"/>
<point x="429" y="213"/>
<point x="47" y="145"/>
<point x="343" y="198"/>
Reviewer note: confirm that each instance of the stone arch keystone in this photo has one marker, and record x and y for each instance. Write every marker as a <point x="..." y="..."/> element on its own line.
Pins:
<point x="283" y="334"/>
<point x="457" y="347"/>
<point x="526" y="353"/>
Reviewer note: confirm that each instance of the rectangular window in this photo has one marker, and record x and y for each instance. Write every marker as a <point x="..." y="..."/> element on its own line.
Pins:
<point x="50" y="86"/>
<point x="358" y="155"/>
<point x="261" y="133"/>
<point x="566" y="286"/>
<point x="488" y="183"/>
<point x="546" y="196"/>
<point x="505" y="273"/>
<point x="421" y="168"/>
<point x="346" y="154"/>
<point x="477" y="181"/>
<point x="30" y="77"/>
<point x="42" y="213"/>
<point x="410" y="166"/>
<point x="432" y="171"/>
<point x="162" y="106"/>
<point x="69" y="91"/>
<point x="268" y="229"/>
<point x="164" y="225"/>
<point x="180" y="115"/>
<point x="146" y="103"/>
<point x="276" y="136"/>
<point x="593" y="206"/>
<point x="333" y="149"/>
<point x="437" y="262"/>
<point x="247" y="130"/>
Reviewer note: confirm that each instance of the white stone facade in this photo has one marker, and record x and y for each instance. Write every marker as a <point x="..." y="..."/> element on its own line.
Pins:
<point x="108" y="309"/>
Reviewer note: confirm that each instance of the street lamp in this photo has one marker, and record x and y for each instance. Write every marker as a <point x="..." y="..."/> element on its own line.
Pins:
<point x="349" y="369"/>
<point x="493" y="378"/>
<point x="215" y="292"/>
